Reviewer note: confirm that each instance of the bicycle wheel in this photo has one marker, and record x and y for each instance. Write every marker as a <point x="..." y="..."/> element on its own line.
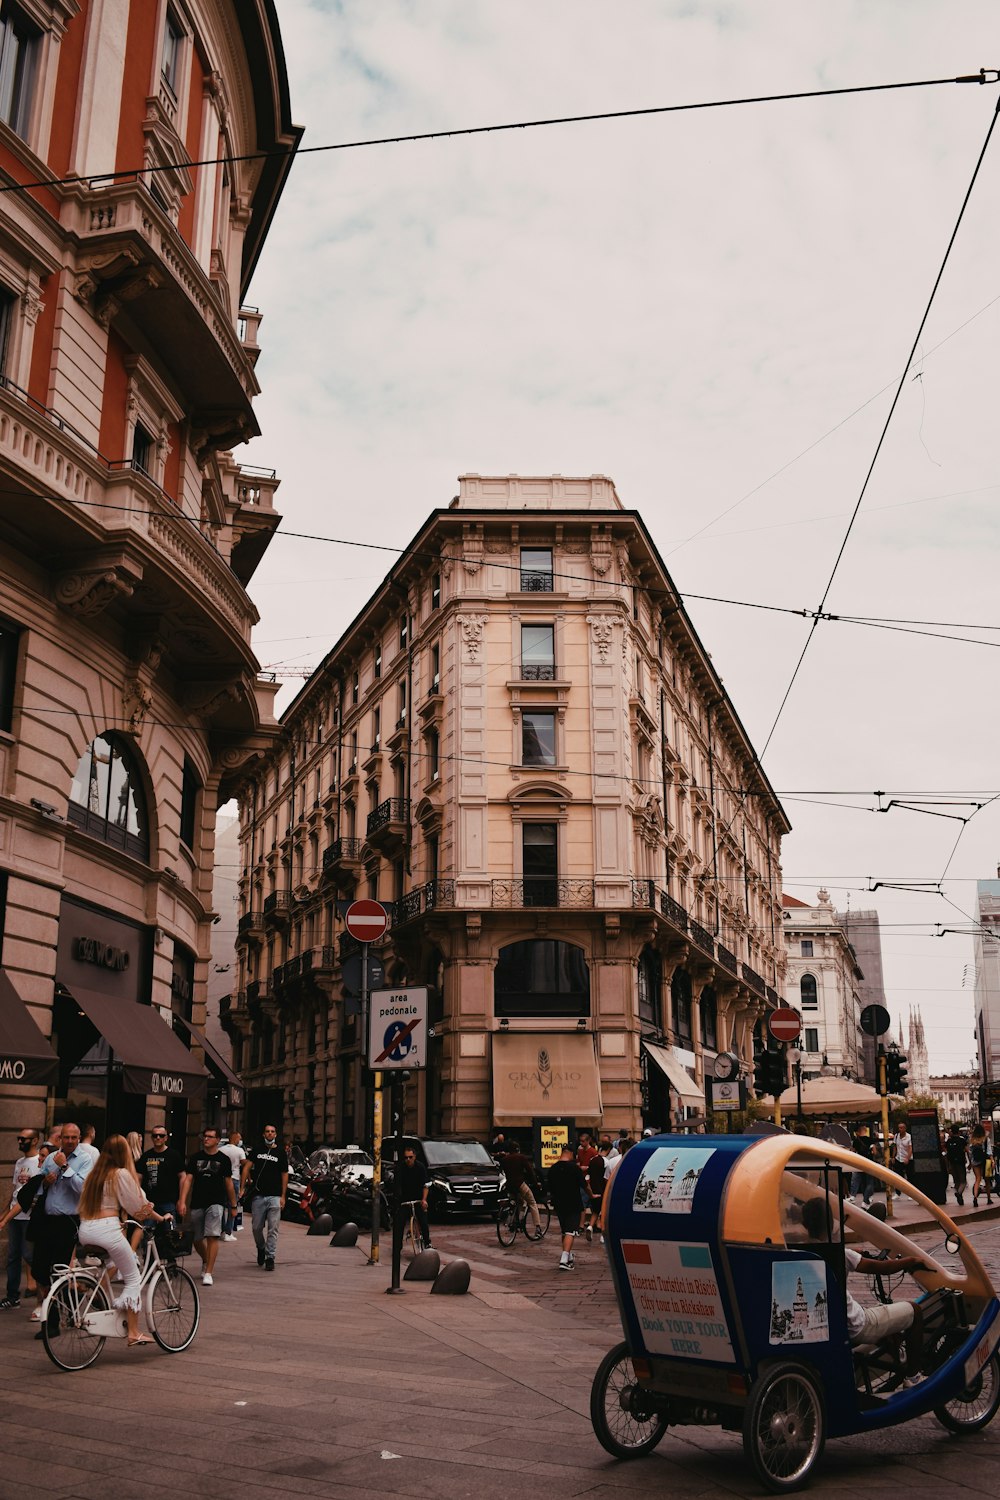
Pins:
<point x="506" y="1224"/>
<point x="976" y="1406"/>
<point x="68" y="1342"/>
<point x="625" y="1420"/>
<point x="174" y="1309"/>
<point x="784" y="1428"/>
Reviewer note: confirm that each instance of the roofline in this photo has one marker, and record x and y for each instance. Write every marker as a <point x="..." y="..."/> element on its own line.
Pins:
<point x="258" y="23"/>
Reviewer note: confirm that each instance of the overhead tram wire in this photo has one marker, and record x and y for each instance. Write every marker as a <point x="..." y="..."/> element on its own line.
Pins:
<point x="93" y="178"/>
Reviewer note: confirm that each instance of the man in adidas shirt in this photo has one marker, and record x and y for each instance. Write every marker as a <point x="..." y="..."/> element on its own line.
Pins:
<point x="266" y="1171"/>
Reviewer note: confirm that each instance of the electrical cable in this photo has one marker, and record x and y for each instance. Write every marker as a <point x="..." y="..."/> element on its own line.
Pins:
<point x="442" y="135"/>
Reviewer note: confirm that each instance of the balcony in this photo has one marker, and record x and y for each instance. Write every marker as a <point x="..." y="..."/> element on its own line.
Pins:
<point x="754" y="980"/>
<point x="772" y="995"/>
<point x="250" y="925"/>
<point x="701" y="937"/>
<point x="542" y="890"/>
<point x="277" y="908"/>
<point x="435" y="895"/>
<point x="390" y="822"/>
<point x="727" y="958"/>
<point x="341" y="859"/>
<point x="673" y="911"/>
<point x="534" y="581"/>
<point x="538" y="672"/>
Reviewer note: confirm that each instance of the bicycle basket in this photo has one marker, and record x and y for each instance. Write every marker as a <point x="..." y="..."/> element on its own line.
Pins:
<point x="174" y="1243"/>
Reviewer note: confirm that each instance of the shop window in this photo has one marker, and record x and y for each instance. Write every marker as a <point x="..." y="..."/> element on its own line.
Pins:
<point x="650" y="981"/>
<point x="680" y="1001"/>
<point x="807" y="992"/>
<point x="538" y="653"/>
<point x="538" y="738"/>
<point x="106" y="799"/>
<point x="18" y="67"/>
<point x="189" y="804"/>
<point x="540" y="864"/>
<point x="9" y="639"/>
<point x="708" y="1013"/>
<point x="541" y="977"/>
<point x="536" y="570"/>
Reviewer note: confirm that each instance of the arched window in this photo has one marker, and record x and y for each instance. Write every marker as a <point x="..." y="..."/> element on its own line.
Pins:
<point x="541" y="977"/>
<point x="650" y="982"/>
<point x="680" y="997"/>
<point x="708" y="1011"/>
<point x="807" y="992"/>
<point x="107" y="799"/>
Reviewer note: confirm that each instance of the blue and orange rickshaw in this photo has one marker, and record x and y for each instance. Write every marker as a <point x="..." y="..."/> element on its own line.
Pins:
<point x="733" y="1316"/>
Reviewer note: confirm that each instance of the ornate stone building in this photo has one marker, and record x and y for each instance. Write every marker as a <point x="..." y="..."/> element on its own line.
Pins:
<point x="521" y="747"/>
<point x="129" y="694"/>
<point x="823" y="982"/>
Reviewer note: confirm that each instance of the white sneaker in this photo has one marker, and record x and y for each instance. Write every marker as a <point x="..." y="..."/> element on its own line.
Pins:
<point x="206" y="1280"/>
<point x="228" y="1239"/>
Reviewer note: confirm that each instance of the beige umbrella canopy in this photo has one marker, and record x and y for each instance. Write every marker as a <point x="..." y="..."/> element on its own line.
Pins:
<point x="838" y="1098"/>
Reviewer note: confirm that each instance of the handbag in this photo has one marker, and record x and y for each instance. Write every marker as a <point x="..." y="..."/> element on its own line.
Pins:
<point x="31" y="1196"/>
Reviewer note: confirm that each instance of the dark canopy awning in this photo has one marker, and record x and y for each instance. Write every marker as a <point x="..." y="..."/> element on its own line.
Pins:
<point x="217" y="1063"/>
<point x="25" y="1055"/>
<point x="153" y="1059"/>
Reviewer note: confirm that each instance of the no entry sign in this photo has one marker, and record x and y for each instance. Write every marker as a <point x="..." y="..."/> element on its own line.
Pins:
<point x="366" y="920"/>
<point x="784" y="1024"/>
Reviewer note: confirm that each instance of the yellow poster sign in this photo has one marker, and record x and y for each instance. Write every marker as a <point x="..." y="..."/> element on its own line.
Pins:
<point x="552" y="1138"/>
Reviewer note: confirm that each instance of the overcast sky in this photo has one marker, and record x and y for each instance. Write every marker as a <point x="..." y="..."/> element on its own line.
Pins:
<point x="713" y="308"/>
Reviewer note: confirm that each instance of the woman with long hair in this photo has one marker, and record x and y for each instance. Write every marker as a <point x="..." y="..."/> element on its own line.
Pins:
<point x="977" y="1157"/>
<point x="110" y="1187"/>
<point x="134" y="1144"/>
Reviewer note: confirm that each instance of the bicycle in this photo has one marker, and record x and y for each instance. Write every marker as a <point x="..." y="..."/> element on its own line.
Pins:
<point x="77" y="1317"/>
<point x="513" y="1216"/>
<point x="412" y="1233"/>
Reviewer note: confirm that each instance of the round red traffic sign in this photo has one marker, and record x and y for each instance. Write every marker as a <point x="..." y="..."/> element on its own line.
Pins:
<point x="784" y="1024"/>
<point x="366" y="920"/>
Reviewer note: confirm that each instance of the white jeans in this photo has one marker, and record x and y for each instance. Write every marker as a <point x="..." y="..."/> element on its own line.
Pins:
<point x="107" y="1233"/>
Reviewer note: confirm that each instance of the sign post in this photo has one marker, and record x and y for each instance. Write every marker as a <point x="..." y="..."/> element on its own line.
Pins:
<point x="397" y="1044"/>
<point x="367" y="922"/>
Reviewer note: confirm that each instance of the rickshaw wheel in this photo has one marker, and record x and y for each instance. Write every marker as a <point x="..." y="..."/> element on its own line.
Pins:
<point x="625" y="1421"/>
<point x="976" y="1406"/>
<point x="784" y="1427"/>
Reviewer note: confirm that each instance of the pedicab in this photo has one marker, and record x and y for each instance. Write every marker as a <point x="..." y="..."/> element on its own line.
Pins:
<point x="734" y="1316"/>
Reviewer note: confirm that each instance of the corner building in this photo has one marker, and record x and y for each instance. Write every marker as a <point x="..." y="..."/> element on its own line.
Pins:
<point x="520" y="746"/>
<point x="129" y="695"/>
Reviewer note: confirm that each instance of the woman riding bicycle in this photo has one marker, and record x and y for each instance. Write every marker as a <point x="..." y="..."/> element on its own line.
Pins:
<point x="111" y="1187"/>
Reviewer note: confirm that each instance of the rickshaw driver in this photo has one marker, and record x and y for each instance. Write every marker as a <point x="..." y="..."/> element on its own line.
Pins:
<point x="870" y="1325"/>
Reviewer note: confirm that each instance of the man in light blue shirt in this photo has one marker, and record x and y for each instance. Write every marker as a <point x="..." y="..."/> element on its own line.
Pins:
<point x="55" y="1229"/>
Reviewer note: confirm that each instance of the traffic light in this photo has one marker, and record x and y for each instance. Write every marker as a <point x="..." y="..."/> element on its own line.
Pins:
<point x="760" y="1084"/>
<point x="895" y="1072"/>
<point x="777" y="1072"/>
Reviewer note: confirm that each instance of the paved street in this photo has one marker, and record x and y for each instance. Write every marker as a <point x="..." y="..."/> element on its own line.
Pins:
<point x="312" y="1382"/>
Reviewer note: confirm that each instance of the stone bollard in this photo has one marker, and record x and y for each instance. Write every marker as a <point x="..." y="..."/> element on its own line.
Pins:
<point x="453" y="1279"/>
<point x="322" y="1224"/>
<point x="346" y="1237"/>
<point x="423" y="1267"/>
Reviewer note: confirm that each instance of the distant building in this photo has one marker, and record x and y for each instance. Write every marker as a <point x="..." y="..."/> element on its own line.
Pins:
<point x="956" y="1094"/>
<point x="861" y="928"/>
<point x="822" y="981"/>
<point x="917" y="1065"/>
<point x="987" y="994"/>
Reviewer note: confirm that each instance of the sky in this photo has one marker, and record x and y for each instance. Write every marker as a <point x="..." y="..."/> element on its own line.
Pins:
<point x="713" y="307"/>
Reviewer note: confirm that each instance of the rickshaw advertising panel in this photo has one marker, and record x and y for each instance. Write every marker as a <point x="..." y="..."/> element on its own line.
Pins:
<point x="675" y="1294"/>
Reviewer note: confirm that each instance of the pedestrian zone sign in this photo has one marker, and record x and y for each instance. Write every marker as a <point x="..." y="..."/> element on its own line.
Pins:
<point x="397" y="1029"/>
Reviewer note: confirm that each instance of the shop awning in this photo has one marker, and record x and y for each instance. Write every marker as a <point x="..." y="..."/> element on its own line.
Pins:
<point x="677" y="1075"/>
<point x="545" y="1073"/>
<point x="217" y="1064"/>
<point x="152" y="1058"/>
<point x="25" y="1055"/>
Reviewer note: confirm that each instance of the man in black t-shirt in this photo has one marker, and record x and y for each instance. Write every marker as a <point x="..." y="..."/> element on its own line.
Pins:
<point x="207" y="1184"/>
<point x="566" y="1188"/>
<point x="159" y="1171"/>
<point x="413" y="1189"/>
<point x="266" y="1171"/>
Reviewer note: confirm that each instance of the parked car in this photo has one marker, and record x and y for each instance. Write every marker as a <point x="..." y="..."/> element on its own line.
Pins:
<point x="464" y="1178"/>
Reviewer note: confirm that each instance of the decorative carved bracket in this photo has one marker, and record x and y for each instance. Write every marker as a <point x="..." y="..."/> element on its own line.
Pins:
<point x="88" y="590"/>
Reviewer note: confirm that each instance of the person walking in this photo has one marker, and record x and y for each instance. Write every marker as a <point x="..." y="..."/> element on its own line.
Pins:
<point x="595" y="1189"/>
<point x="956" y="1155"/>
<point x="54" y="1228"/>
<point x="902" y="1152"/>
<point x="112" y="1187"/>
<point x="87" y="1137"/>
<point x="977" y="1157"/>
<point x="18" y="1248"/>
<point x="567" y="1188"/>
<point x="233" y="1148"/>
<point x="207" y="1185"/>
<point x="159" y="1170"/>
<point x="861" y="1182"/>
<point x="266" y="1171"/>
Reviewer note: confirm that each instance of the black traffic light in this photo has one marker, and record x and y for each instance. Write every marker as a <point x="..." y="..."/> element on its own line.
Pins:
<point x="759" y="1068"/>
<point x="777" y="1072"/>
<point x="895" y="1072"/>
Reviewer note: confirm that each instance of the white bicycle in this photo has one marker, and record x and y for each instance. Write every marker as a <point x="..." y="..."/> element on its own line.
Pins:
<point x="77" y="1316"/>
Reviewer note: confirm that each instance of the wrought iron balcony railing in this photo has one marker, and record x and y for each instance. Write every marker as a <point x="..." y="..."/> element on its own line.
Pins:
<point x="392" y="810"/>
<point x="701" y="936"/>
<point x="754" y="980"/>
<point x="727" y="958"/>
<point x="277" y="906"/>
<point x="341" y="851"/>
<point x="534" y="581"/>
<point x="673" y="911"/>
<point x="432" y="896"/>
<point x="542" y="890"/>
<point x="538" y="672"/>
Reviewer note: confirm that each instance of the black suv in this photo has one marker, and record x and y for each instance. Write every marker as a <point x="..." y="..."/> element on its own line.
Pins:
<point x="463" y="1177"/>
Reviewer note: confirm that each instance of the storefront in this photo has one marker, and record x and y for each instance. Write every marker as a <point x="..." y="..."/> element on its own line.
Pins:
<point x="668" y="1087"/>
<point x="117" y="1055"/>
<point x="545" y="1076"/>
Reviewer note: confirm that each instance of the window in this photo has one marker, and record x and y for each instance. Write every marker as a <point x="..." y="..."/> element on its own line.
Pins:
<point x="404" y="632"/>
<point x="538" y="653"/>
<point x="536" y="570"/>
<point x="541" y="977"/>
<point x="189" y="804"/>
<point x="401" y="718"/>
<point x="376" y="730"/>
<point x="812" y="1039"/>
<point x="807" y="948"/>
<point x="7" y="304"/>
<point x="9" y="637"/>
<point x="650" y="980"/>
<point x="170" y="66"/>
<point x="539" y="865"/>
<point x="433" y="754"/>
<point x="680" y="1003"/>
<point x="708" y="1011"/>
<point x="355" y="687"/>
<point x="436" y="591"/>
<point x="106" y="798"/>
<point x="354" y="753"/>
<point x="378" y="660"/>
<point x="435" y="669"/>
<point x="538" y="738"/>
<point x="807" y="992"/>
<point x="18" y="61"/>
<point x="142" y="449"/>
